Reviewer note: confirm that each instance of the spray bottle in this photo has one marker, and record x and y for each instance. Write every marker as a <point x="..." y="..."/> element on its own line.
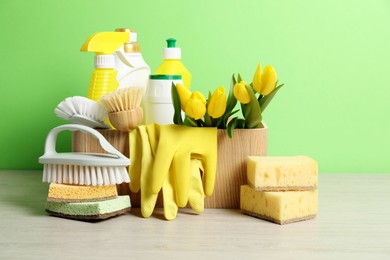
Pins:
<point x="137" y="74"/>
<point x="172" y="64"/>
<point x="104" y="44"/>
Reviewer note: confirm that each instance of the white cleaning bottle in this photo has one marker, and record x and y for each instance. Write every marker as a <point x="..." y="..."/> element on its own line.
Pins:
<point x="132" y="68"/>
<point x="158" y="104"/>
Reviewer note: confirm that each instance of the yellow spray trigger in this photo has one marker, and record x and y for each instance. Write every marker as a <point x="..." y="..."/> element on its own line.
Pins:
<point x="105" y="42"/>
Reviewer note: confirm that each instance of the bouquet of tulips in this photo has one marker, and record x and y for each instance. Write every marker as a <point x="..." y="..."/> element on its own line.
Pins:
<point x="219" y="110"/>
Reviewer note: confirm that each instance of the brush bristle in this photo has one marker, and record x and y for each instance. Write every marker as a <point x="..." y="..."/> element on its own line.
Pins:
<point x="78" y="105"/>
<point x="123" y="99"/>
<point x="84" y="175"/>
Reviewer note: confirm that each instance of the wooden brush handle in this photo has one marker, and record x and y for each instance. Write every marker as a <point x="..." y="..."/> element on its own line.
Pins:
<point x="126" y="120"/>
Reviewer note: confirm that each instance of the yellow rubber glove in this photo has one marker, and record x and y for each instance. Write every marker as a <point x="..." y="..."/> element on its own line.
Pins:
<point x="144" y="145"/>
<point x="140" y="170"/>
<point x="177" y="145"/>
<point x="196" y="194"/>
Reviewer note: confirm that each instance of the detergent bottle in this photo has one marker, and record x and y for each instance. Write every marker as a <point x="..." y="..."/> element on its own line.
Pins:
<point x="158" y="104"/>
<point x="172" y="64"/>
<point x="132" y="68"/>
<point x="104" y="44"/>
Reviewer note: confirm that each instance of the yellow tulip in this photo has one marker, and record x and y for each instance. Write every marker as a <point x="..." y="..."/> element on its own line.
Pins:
<point x="184" y="94"/>
<point x="268" y="80"/>
<point x="264" y="82"/>
<point x="195" y="107"/>
<point x="217" y="103"/>
<point x="241" y="93"/>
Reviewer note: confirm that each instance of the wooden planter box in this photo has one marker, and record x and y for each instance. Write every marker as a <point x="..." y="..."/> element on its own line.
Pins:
<point x="231" y="163"/>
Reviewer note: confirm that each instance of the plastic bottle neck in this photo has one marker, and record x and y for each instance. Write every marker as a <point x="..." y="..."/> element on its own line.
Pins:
<point x="173" y="59"/>
<point x="106" y="61"/>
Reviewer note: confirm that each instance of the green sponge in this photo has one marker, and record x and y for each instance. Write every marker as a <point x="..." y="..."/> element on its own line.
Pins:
<point x="95" y="210"/>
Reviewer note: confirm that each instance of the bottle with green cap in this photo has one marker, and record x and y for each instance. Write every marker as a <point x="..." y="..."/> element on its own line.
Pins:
<point x="158" y="100"/>
<point x="172" y="64"/>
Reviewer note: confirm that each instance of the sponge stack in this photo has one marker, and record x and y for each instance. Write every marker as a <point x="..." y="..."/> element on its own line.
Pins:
<point x="280" y="189"/>
<point x="85" y="202"/>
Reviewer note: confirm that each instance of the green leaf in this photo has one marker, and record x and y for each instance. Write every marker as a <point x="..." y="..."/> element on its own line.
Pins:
<point x="188" y="121"/>
<point x="200" y="123"/>
<point x="252" y="111"/>
<point x="240" y="123"/>
<point x="226" y="117"/>
<point x="231" y="100"/>
<point x="235" y="123"/>
<point x="260" y="125"/>
<point x="231" y="113"/>
<point x="239" y="79"/>
<point x="230" y="103"/>
<point x="217" y="122"/>
<point x="254" y="91"/>
<point x="177" y="119"/>
<point x="208" y="98"/>
<point x="246" y="110"/>
<point x="259" y="96"/>
<point x="220" y="122"/>
<point x="231" y="126"/>
<point x="263" y="102"/>
<point x="207" y="120"/>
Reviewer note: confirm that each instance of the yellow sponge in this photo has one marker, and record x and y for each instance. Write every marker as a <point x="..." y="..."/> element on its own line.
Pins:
<point x="76" y="193"/>
<point x="268" y="173"/>
<point x="280" y="207"/>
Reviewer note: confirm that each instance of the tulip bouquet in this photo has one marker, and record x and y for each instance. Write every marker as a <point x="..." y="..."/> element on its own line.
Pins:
<point x="218" y="110"/>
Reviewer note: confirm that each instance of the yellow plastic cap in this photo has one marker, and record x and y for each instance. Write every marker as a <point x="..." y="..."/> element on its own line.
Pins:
<point x="105" y="42"/>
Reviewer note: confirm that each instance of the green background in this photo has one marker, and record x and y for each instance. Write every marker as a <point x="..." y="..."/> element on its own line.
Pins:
<point x="333" y="57"/>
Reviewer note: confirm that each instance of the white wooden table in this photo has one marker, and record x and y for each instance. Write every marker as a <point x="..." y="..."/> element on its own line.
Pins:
<point x="353" y="222"/>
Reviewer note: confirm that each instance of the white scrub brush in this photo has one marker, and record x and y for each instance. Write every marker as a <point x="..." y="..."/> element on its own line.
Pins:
<point x="83" y="111"/>
<point x="83" y="168"/>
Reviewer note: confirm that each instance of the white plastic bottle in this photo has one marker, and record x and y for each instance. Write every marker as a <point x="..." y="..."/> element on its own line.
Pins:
<point x="158" y="100"/>
<point x="132" y="68"/>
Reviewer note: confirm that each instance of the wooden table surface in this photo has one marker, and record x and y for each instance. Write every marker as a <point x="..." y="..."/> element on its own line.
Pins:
<point x="353" y="222"/>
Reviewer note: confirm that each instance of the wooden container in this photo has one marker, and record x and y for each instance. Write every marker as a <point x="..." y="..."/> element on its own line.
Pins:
<point x="231" y="162"/>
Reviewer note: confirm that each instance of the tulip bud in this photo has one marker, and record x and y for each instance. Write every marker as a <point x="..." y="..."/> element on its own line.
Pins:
<point x="195" y="107"/>
<point x="241" y="93"/>
<point x="257" y="79"/>
<point x="217" y="103"/>
<point x="184" y="94"/>
<point x="268" y="80"/>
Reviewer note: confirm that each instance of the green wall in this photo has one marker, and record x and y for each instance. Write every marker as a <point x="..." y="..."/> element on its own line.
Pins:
<point x="333" y="57"/>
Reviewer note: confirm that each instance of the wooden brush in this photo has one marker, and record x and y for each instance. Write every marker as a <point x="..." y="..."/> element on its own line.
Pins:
<point x="125" y="112"/>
